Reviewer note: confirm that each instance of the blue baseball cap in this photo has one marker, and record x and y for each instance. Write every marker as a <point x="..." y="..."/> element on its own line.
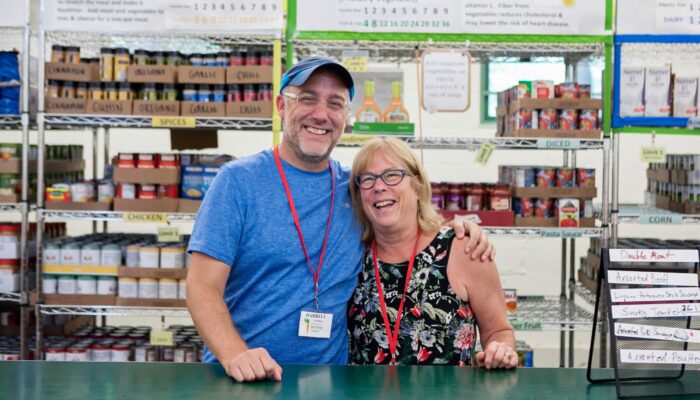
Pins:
<point x="302" y="71"/>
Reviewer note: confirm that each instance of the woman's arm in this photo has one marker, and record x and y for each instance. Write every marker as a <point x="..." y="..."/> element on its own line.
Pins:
<point x="479" y="283"/>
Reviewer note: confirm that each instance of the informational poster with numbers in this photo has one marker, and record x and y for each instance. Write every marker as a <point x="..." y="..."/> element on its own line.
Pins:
<point x="660" y="17"/>
<point x="230" y="16"/>
<point x="13" y="13"/>
<point x="563" y="17"/>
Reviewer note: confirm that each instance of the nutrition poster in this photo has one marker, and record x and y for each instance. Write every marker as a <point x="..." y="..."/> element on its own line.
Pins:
<point x="549" y="17"/>
<point x="13" y="13"/>
<point x="661" y="17"/>
<point x="229" y="16"/>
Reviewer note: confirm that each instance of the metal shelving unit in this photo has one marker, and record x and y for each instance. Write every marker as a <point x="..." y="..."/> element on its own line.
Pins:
<point x="499" y="143"/>
<point x="105" y="216"/>
<point x="114" y="311"/>
<point x="81" y="121"/>
<point x="633" y="213"/>
<point x="18" y="36"/>
<point x="551" y="313"/>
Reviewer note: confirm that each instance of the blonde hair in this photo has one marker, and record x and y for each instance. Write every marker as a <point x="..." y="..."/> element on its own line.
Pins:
<point x="397" y="151"/>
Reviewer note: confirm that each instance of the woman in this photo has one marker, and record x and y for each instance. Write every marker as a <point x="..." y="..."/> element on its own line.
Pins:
<point x="445" y="294"/>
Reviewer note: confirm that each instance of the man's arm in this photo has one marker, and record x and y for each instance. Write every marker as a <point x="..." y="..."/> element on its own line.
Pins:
<point x="478" y="244"/>
<point x="206" y="281"/>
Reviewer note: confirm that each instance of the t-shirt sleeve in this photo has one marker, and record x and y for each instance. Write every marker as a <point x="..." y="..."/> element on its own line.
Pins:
<point x="219" y="223"/>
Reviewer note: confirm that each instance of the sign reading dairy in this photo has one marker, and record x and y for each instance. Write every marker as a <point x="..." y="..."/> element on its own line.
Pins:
<point x="446" y="80"/>
<point x="659" y="17"/>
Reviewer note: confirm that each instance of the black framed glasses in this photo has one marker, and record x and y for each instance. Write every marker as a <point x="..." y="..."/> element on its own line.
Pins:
<point x="391" y="177"/>
<point x="310" y="101"/>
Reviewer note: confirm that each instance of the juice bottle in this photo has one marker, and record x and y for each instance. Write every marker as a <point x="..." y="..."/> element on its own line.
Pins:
<point x="369" y="112"/>
<point x="396" y="111"/>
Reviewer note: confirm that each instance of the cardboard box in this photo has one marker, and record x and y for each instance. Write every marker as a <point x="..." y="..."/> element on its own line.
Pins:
<point x="203" y="109"/>
<point x="155" y="273"/>
<point x="164" y="108"/>
<point x="64" y="106"/>
<point x="72" y="72"/>
<point x="109" y="107"/>
<point x="550" y="222"/>
<point x="15" y="198"/>
<point x="201" y="75"/>
<point x="691" y="207"/>
<point x="593" y="260"/>
<point x="14" y="166"/>
<point x="80" y="299"/>
<point x="555" y="193"/>
<point x="141" y="205"/>
<point x="249" y="109"/>
<point x="188" y="206"/>
<point x="663" y="202"/>
<point x="160" y="176"/>
<point x="587" y="282"/>
<point x="135" y="302"/>
<point x="559" y="104"/>
<point x="75" y="206"/>
<point x="152" y="74"/>
<point x="554" y="133"/>
<point x="659" y="175"/>
<point x="249" y="74"/>
<point x="483" y="218"/>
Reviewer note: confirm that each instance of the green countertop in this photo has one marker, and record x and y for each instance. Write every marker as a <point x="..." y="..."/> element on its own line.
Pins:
<point x="73" y="380"/>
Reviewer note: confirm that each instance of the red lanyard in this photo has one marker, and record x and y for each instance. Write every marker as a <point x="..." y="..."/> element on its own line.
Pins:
<point x="393" y="337"/>
<point x="293" y="209"/>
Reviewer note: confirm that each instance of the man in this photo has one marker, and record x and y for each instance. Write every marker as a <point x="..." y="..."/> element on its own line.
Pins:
<point x="276" y="249"/>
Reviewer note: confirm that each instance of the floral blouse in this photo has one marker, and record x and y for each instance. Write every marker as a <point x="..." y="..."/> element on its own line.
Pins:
<point x="436" y="328"/>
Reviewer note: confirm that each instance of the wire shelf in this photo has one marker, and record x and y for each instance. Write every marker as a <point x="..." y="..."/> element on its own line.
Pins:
<point x="71" y="121"/>
<point x="545" y="232"/>
<point x="114" y="311"/>
<point x="13" y="122"/>
<point x="109" y="216"/>
<point x="404" y="51"/>
<point x="11" y="207"/>
<point x="10" y="297"/>
<point x="550" y="313"/>
<point x="633" y="213"/>
<point x="476" y="143"/>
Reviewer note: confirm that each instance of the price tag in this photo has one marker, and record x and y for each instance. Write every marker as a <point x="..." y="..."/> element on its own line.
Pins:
<point x="168" y="234"/>
<point x="694" y="123"/>
<point x="561" y="233"/>
<point x="173" y="122"/>
<point x="145" y="217"/>
<point x="482" y="157"/>
<point x="355" y="64"/>
<point x="161" y="338"/>
<point x="563" y="144"/>
<point x="660" y="219"/>
<point x="654" y="154"/>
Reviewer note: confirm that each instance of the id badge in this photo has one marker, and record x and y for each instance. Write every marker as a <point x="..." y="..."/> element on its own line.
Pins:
<point x="315" y="324"/>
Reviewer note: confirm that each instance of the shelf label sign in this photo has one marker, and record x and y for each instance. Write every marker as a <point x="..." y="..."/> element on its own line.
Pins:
<point x="661" y="219"/>
<point x="561" y="233"/>
<point x="661" y="17"/>
<point x="654" y="154"/>
<point x="145" y="217"/>
<point x="526" y="325"/>
<point x="168" y="234"/>
<point x="355" y="60"/>
<point x="484" y="154"/>
<point x="446" y="79"/>
<point x="653" y="255"/>
<point x="563" y="144"/>
<point x="161" y="338"/>
<point x="548" y="17"/>
<point x="173" y="122"/>
<point x="659" y="356"/>
<point x="657" y="332"/>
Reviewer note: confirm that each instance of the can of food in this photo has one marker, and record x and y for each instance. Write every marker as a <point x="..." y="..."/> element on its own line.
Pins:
<point x="179" y="354"/>
<point x="585" y="177"/>
<point x="128" y="288"/>
<point x="106" y="285"/>
<point x="546" y="177"/>
<point x="172" y="257"/>
<point x="51" y="253"/>
<point x="148" y="288"/>
<point x="527" y="358"/>
<point x="586" y="210"/>
<point x="147" y="160"/>
<point x="126" y="191"/>
<point x="70" y="253"/>
<point x="475" y="197"/>
<point x="66" y="284"/>
<point x="526" y="206"/>
<point x="168" y="191"/>
<point x="584" y="91"/>
<point x="86" y="284"/>
<point x="111" y="255"/>
<point x="169" y="161"/>
<point x="544" y="208"/>
<point x="523" y="119"/>
<point x="437" y="196"/>
<point x="548" y="119"/>
<point x="55" y="353"/>
<point x="90" y="254"/>
<point x="525" y="177"/>
<point x="168" y="354"/>
<point x="453" y="197"/>
<point x="120" y="352"/>
<point x="145" y="353"/>
<point x="100" y="352"/>
<point x="132" y="255"/>
<point x="568" y="90"/>
<point x="77" y="353"/>
<point x="568" y="119"/>
<point x="167" y="289"/>
<point x="566" y="177"/>
<point x="80" y="192"/>
<point x="147" y="192"/>
<point x="182" y="289"/>
<point x="511" y="299"/>
<point x="589" y="120"/>
<point x="49" y="284"/>
<point x="149" y="256"/>
<point x="105" y="191"/>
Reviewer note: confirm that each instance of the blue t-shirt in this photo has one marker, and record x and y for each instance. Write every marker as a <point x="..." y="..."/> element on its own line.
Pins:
<point x="245" y="222"/>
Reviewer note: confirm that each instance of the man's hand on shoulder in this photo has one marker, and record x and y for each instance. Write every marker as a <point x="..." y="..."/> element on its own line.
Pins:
<point x="253" y="365"/>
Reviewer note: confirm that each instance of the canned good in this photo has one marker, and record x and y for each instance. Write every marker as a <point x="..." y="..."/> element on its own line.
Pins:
<point x="437" y="197"/>
<point x="149" y="256"/>
<point x="106" y="285"/>
<point x="145" y="353"/>
<point x="146" y="160"/>
<point x="126" y="160"/>
<point x="588" y="120"/>
<point x="147" y="192"/>
<point x="584" y="91"/>
<point x="51" y="253"/>
<point x="544" y="208"/>
<point x="568" y="119"/>
<point x="80" y="192"/>
<point x="168" y="191"/>
<point x="499" y="197"/>
<point x="86" y="284"/>
<point x="70" y="254"/>
<point x="111" y="255"/>
<point x="128" y="288"/>
<point x="524" y="207"/>
<point x="548" y="119"/>
<point x="100" y="353"/>
<point x="90" y="254"/>
<point x="168" y="354"/>
<point x="511" y="299"/>
<point x="546" y="177"/>
<point x="566" y="177"/>
<point x="568" y="213"/>
<point x="77" y="353"/>
<point x="474" y="198"/>
<point x="585" y="177"/>
<point x="524" y="177"/>
<point x="55" y="354"/>
<point x="172" y="257"/>
<point x="167" y="289"/>
<point x="132" y="255"/>
<point x="49" y="284"/>
<point x="126" y="191"/>
<point x="120" y="352"/>
<point x="66" y="284"/>
<point x="105" y="191"/>
<point x="523" y="119"/>
<point x="568" y="90"/>
<point x="169" y="161"/>
<point x="182" y="289"/>
<point x="148" y="288"/>
<point x="453" y="197"/>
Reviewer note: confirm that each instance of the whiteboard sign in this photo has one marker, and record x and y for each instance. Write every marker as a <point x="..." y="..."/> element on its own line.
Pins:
<point x="446" y="78"/>
<point x="661" y="17"/>
<point x="656" y="310"/>
<point x="659" y="357"/>
<point x="653" y="255"/>
<point x="551" y="17"/>
<point x="652" y="278"/>
<point x="655" y="294"/>
<point x="657" y="332"/>
<point x="14" y="13"/>
<point x="260" y="16"/>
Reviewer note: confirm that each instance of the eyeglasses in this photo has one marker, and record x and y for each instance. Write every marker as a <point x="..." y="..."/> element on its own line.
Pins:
<point x="391" y="177"/>
<point x="309" y="101"/>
